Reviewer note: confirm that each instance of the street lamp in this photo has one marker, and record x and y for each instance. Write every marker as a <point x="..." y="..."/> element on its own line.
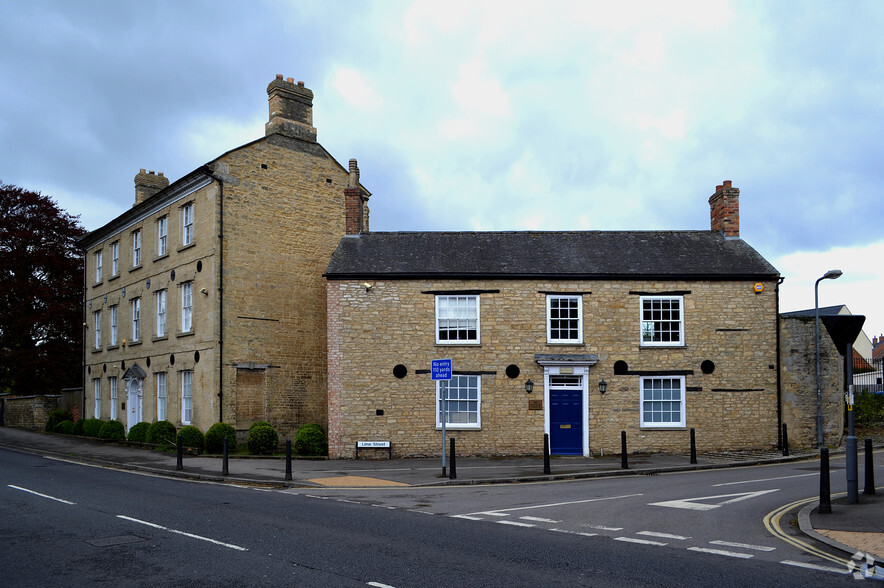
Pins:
<point x="829" y="275"/>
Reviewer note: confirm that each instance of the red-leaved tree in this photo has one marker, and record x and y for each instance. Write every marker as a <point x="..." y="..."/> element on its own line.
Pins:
<point x="41" y="293"/>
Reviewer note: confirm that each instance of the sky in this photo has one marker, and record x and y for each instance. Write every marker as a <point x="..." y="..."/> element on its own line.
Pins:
<point x="484" y="115"/>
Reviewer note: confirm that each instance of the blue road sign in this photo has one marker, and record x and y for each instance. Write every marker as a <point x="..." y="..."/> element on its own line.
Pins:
<point x="441" y="369"/>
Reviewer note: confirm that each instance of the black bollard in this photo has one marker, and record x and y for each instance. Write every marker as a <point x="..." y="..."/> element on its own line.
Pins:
<point x="180" y="465"/>
<point x="546" y="469"/>
<point x="825" y="506"/>
<point x="288" y="460"/>
<point x="785" y="441"/>
<point x="693" y="446"/>
<point x="452" y="470"/>
<point x="224" y="470"/>
<point x="624" y="464"/>
<point x="870" y="469"/>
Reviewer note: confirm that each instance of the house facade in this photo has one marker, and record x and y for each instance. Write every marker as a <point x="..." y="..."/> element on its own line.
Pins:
<point x="579" y="335"/>
<point x="205" y="301"/>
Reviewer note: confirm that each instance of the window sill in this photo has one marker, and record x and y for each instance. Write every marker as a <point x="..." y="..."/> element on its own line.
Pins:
<point x="662" y="346"/>
<point x="163" y="338"/>
<point x="188" y="246"/>
<point x="659" y="428"/>
<point x="458" y="428"/>
<point x="97" y="350"/>
<point x="458" y="343"/>
<point x="97" y="284"/>
<point x="184" y="334"/>
<point x="113" y="277"/>
<point x="134" y="343"/>
<point x="161" y="256"/>
<point x="112" y="347"/>
<point x="566" y="343"/>
<point x="135" y="267"/>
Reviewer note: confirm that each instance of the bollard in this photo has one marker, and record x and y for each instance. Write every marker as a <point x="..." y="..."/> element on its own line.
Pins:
<point x="546" y="469"/>
<point x="224" y="470"/>
<point x="288" y="460"/>
<point x="452" y="470"/>
<point x="870" y="469"/>
<point x="693" y="446"/>
<point x="825" y="506"/>
<point x="624" y="464"/>
<point x="785" y="441"/>
<point x="180" y="465"/>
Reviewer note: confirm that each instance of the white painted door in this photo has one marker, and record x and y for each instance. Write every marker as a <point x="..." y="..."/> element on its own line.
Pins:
<point x="134" y="400"/>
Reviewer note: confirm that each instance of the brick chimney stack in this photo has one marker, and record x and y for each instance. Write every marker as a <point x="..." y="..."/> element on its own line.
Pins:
<point x="291" y="109"/>
<point x="353" y="202"/>
<point x="147" y="184"/>
<point x="724" y="209"/>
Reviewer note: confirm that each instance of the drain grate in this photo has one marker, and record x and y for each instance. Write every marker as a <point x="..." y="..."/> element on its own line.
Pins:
<point x="118" y="540"/>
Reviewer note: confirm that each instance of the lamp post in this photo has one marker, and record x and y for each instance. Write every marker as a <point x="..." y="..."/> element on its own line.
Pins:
<point x="829" y="275"/>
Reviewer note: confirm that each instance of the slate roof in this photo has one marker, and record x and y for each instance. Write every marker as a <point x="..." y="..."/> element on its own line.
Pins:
<point x="540" y="254"/>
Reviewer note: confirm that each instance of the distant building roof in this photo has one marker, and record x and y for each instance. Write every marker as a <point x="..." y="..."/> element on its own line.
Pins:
<point x="538" y="254"/>
<point x="836" y="310"/>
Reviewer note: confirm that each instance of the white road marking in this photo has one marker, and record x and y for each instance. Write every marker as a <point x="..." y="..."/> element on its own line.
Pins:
<point x="742" y="546"/>
<point x="539" y="520"/>
<point x="501" y="512"/>
<point x="177" y="532"/>
<point x="808" y="566"/>
<point x="765" y="480"/>
<point x="468" y="517"/>
<point x="603" y="528"/>
<point x="639" y="541"/>
<point x="379" y="585"/>
<point x="40" y="495"/>
<point x="721" y="552"/>
<point x="575" y="533"/>
<point x="493" y="514"/>
<point x="662" y="535"/>
<point x="694" y="504"/>
<point x="514" y="523"/>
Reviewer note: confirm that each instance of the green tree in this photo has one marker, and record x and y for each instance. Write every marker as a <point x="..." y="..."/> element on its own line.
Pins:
<point x="41" y="288"/>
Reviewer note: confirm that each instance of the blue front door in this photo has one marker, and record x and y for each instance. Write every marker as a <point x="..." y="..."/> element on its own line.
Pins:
<point x="565" y="415"/>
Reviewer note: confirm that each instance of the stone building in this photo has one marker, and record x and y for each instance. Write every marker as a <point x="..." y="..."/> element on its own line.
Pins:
<point x="205" y="301"/>
<point x="580" y="335"/>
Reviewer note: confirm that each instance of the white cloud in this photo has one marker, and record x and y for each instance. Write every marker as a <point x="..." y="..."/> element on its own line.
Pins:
<point x="355" y="89"/>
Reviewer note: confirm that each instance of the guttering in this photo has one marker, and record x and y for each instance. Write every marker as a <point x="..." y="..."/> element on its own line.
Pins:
<point x="380" y="275"/>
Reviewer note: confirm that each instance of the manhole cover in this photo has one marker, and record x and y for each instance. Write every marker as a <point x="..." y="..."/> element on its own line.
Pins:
<point x="118" y="540"/>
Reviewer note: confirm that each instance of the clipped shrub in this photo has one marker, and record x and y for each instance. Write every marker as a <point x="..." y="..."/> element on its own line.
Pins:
<point x="192" y="437"/>
<point x="259" y="424"/>
<point x="311" y="440"/>
<point x="64" y="427"/>
<point x="78" y="427"/>
<point x="91" y="427"/>
<point x="215" y="438"/>
<point x="263" y="440"/>
<point x="138" y="432"/>
<point x="161" y="433"/>
<point x="112" y="431"/>
<point x="869" y="409"/>
<point x="55" y="417"/>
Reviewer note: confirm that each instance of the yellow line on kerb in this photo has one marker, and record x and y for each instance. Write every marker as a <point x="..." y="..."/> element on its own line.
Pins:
<point x="772" y="524"/>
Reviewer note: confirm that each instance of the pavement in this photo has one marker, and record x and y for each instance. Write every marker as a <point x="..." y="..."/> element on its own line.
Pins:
<point x="851" y="528"/>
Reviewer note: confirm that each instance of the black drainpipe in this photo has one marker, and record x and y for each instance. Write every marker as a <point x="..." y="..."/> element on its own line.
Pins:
<point x="220" y="297"/>
<point x="85" y="337"/>
<point x="779" y="370"/>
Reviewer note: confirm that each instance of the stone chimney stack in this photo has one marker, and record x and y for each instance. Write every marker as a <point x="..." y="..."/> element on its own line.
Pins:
<point x="724" y="209"/>
<point x="291" y="109"/>
<point x="353" y="202"/>
<point x="147" y="184"/>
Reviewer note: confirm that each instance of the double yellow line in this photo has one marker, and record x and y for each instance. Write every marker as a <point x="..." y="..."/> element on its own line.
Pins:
<point x="772" y="524"/>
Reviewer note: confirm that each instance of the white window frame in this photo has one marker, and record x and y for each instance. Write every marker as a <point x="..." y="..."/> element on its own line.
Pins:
<point x="187" y="224"/>
<point x="648" y="323"/>
<point x="99" y="256"/>
<point x="115" y="258"/>
<point x="113" y="324"/>
<point x="136" y="319"/>
<point x="112" y="381"/>
<point x="161" y="396"/>
<point x="186" y="307"/>
<point x="163" y="235"/>
<point x="96" y="320"/>
<point x="96" y="391"/>
<point x="551" y="301"/>
<point x="454" y="311"/>
<point x="136" y="247"/>
<point x="186" y="396"/>
<point x="463" y="408"/>
<point x="651" y="402"/>
<point x="160" y="298"/>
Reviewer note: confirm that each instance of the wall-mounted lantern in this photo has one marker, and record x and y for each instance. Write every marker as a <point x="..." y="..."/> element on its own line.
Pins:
<point x="529" y="386"/>
<point x="603" y="386"/>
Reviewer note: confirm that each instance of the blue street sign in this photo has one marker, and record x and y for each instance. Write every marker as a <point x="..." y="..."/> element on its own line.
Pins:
<point x="441" y="369"/>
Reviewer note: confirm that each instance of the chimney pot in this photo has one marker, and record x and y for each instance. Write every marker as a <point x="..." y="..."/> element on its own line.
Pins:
<point x="278" y="76"/>
<point x="290" y="80"/>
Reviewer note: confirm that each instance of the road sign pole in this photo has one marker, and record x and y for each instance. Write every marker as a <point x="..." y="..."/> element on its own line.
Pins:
<point x="440" y="369"/>
<point x="444" y="396"/>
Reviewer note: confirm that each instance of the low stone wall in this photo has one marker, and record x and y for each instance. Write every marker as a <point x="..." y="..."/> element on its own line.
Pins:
<point x="28" y="412"/>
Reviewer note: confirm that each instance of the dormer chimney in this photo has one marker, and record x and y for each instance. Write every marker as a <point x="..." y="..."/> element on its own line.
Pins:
<point x="291" y="109"/>
<point x="724" y="209"/>
<point x="147" y="184"/>
<point x="353" y="202"/>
